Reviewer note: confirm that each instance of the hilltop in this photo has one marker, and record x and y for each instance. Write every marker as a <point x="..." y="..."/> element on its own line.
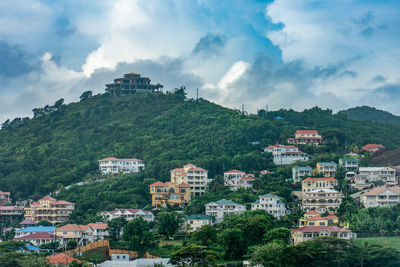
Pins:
<point x="366" y="113"/>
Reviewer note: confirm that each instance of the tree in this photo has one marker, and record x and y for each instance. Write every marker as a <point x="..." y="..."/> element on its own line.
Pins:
<point x="193" y="255"/>
<point x="281" y="234"/>
<point x="44" y="223"/>
<point x="181" y="91"/>
<point x="32" y="260"/>
<point x="58" y="103"/>
<point x="51" y="245"/>
<point x="269" y="254"/>
<point x="168" y="223"/>
<point x="139" y="237"/>
<point x="86" y="95"/>
<point x="115" y="226"/>
<point x="72" y="244"/>
<point x="233" y="243"/>
<point x="205" y="235"/>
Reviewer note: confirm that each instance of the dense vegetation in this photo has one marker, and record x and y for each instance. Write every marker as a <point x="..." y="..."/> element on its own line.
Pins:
<point x="366" y="113"/>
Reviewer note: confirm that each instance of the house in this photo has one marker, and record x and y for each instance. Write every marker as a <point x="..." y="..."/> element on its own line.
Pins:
<point x="128" y="214"/>
<point x="309" y="184"/>
<point x="235" y="179"/>
<point x="306" y="137"/>
<point x="40" y="238"/>
<point x="192" y="175"/>
<point x="4" y="198"/>
<point x="367" y="176"/>
<point x="328" y="169"/>
<point x="61" y="260"/>
<point x="272" y="204"/>
<point x="195" y="221"/>
<point x="381" y="196"/>
<point x="284" y="154"/>
<point x="100" y="231"/>
<point x="305" y="233"/>
<point x="113" y="165"/>
<point x="348" y="164"/>
<point x="10" y="213"/>
<point x="49" y="209"/>
<point x="132" y="83"/>
<point x="313" y="218"/>
<point x="298" y="173"/>
<point x="322" y="200"/>
<point x="27" y="223"/>
<point x="221" y="208"/>
<point x="169" y="193"/>
<point x="82" y="234"/>
<point x="372" y="148"/>
<point x="264" y="172"/>
<point x="34" y="229"/>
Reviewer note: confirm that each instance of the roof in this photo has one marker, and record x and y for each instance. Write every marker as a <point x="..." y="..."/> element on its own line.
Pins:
<point x="265" y="171"/>
<point x="270" y="195"/>
<point x="307" y="131"/>
<point x="330" y="164"/>
<point x="325" y="190"/>
<point x="225" y="202"/>
<point x="368" y="147"/>
<point x="301" y="168"/>
<point x="197" y="217"/>
<point x="372" y="169"/>
<point x="320" y="179"/>
<point x="234" y="171"/>
<point x="112" y="158"/>
<point x="62" y="202"/>
<point x="282" y="146"/>
<point x="9" y="208"/>
<point x="61" y="259"/>
<point x="159" y="183"/>
<point x="127" y="210"/>
<point x="312" y="212"/>
<point x="41" y="235"/>
<point x="331" y="216"/>
<point x="98" y="225"/>
<point x="178" y="170"/>
<point x="48" y="198"/>
<point x="38" y="229"/>
<point x="197" y="169"/>
<point x="189" y="164"/>
<point x="350" y="159"/>
<point x="316" y="218"/>
<point x="320" y="228"/>
<point x="27" y="221"/>
<point x="4" y="193"/>
<point x="73" y="227"/>
<point x="378" y="190"/>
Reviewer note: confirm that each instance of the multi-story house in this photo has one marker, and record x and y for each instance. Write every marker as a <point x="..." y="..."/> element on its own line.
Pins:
<point x="309" y="184"/>
<point x="328" y="169"/>
<point x="100" y="231"/>
<point x="381" y="196"/>
<point x="235" y="179"/>
<point x="348" y="164"/>
<point x="272" y="204"/>
<point x="367" y="176"/>
<point x="310" y="232"/>
<point x="4" y="198"/>
<point x="34" y="229"/>
<point x="306" y="137"/>
<point x="313" y="218"/>
<point x="284" y="154"/>
<point x="40" y="238"/>
<point x="372" y="148"/>
<point x="10" y="213"/>
<point x="221" y="208"/>
<point x="195" y="221"/>
<point x="132" y="83"/>
<point x="169" y="193"/>
<point x="80" y="233"/>
<point x="298" y="173"/>
<point x="192" y="175"/>
<point x="128" y="214"/>
<point x="49" y="209"/>
<point x="114" y="166"/>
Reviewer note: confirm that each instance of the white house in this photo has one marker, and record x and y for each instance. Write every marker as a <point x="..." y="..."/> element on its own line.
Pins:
<point x="300" y="172"/>
<point x="381" y="196"/>
<point x="367" y="175"/>
<point x="221" y="208"/>
<point x="35" y="229"/>
<point x="114" y="166"/>
<point x="284" y="154"/>
<point x="195" y="221"/>
<point x="128" y="214"/>
<point x="40" y="238"/>
<point x="348" y="164"/>
<point x="273" y="204"/>
<point x="100" y="231"/>
<point x="237" y="179"/>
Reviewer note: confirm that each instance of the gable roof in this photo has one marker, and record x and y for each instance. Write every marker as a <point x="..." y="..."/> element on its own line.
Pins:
<point x="225" y="202"/>
<point x="73" y="227"/>
<point x="307" y="131"/>
<point x="302" y="168"/>
<point x="61" y="259"/>
<point x="329" y="164"/>
<point x="316" y="218"/>
<point x="368" y="147"/>
<point x="378" y="190"/>
<point x="48" y="198"/>
<point x="234" y="171"/>
<point x="27" y="221"/>
<point x="159" y="183"/>
<point x="312" y="212"/>
<point x="98" y="225"/>
<point x="41" y="235"/>
<point x="355" y="160"/>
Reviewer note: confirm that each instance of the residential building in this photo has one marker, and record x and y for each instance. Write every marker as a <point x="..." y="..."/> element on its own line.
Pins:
<point x="114" y="165"/>
<point x="305" y="233"/>
<point x="348" y="164"/>
<point x="309" y="184"/>
<point x="80" y="233"/>
<point x="49" y="209"/>
<point x="313" y="218"/>
<point x="322" y="200"/>
<point x="272" y="204"/>
<point x="235" y="179"/>
<point x="100" y="231"/>
<point x="264" y="172"/>
<point x="298" y="173"/>
<point x="40" y="238"/>
<point x="381" y="196"/>
<point x="306" y="137"/>
<point x="10" y="213"/>
<point x="132" y="83"/>
<point x="367" y="176"/>
<point x="128" y="214"/>
<point x="34" y="229"/>
<point x="221" y="208"/>
<point x="372" y="148"/>
<point x="284" y="154"/>
<point x="4" y="198"/>
<point x="192" y="175"/>
<point x="328" y="169"/>
<point x="195" y="221"/>
<point x="27" y="223"/>
<point x="169" y="193"/>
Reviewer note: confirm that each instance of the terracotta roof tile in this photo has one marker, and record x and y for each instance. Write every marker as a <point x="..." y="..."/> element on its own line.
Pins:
<point x="61" y="259"/>
<point x="320" y="228"/>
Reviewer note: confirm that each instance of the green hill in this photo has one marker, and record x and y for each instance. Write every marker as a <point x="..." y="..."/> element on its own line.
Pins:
<point x="366" y="113"/>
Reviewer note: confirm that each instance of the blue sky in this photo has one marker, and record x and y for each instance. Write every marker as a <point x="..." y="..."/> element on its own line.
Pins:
<point x="281" y="53"/>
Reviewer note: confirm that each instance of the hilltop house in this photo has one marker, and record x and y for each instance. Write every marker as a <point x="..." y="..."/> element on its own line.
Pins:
<point x="195" y="221"/>
<point x="114" y="165"/>
<point x="381" y="196"/>
<point x="235" y="179"/>
<point x="349" y="164"/>
<point x="372" y="148"/>
<point x="128" y="214"/>
<point x="284" y="154"/>
<point x="305" y="233"/>
<point x="306" y="137"/>
<point x="132" y="83"/>
<point x="169" y="193"/>
<point x="272" y="204"/>
<point x="221" y="208"/>
<point x="192" y="175"/>
<point x="49" y="209"/>
<point x="298" y="173"/>
<point x="366" y="176"/>
<point x="328" y="169"/>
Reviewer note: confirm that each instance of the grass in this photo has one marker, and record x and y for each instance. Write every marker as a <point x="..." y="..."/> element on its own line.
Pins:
<point x="390" y="241"/>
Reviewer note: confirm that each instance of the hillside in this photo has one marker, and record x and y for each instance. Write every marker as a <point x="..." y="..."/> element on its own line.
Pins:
<point x="385" y="158"/>
<point x="366" y="113"/>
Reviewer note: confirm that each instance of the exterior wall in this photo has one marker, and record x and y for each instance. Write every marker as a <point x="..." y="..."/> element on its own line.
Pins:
<point x="271" y="204"/>
<point x="299" y="236"/>
<point x="118" y="165"/>
<point x="128" y="215"/>
<point x="386" y="198"/>
<point x="298" y="174"/>
<point x="190" y="174"/>
<point x="327" y="171"/>
<point x="195" y="224"/>
<point x="220" y="211"/>
<point x="314" y="183"/>
<point x="50" y="211"/>
<point x="366" y="176"/>
<point x="348" y="165"/>
<point x="236" y="180"/>
<point x="171" y="194"/>
<point x="322" y="201"/>
<point x="132" y="83"/>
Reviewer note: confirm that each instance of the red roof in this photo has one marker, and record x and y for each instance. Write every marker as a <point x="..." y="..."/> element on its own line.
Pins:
<point x="312" y="212"/>
<point x="248" y="177"/>
<point x="369" y="147"/>
<point x="112" y="158"/>
<point x="61" y="259"/>
<point x="320" y="179"/>
<point x="178" y="170"/>
<point x="125" y="210"/>
<point x="4" y="193"/>
<point x="377" y="190"/>
<point x="234" y="171"/>
<point x="27" y="222"/>
<point x="72" y="227"/>
<point x="98" y="225"/>
<point x="197" y="169"/>
<point x="331" y="216"/>
<point x="320" y="228"/>
<point x="264" y="172"/>
<point x="48" y="198"/>
<point x="9" y="208"/>
<point x="307" y="131"/>
<point x="189" y="164"/>
<point x="40" y="235"/>
<point x="183" y="185"/>
<point x="62" y="202"/>
<point x="159" y="183"/>
<point x="316" y="218"/>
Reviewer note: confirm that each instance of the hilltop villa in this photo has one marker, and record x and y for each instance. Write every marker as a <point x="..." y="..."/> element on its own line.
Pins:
<point x="114" y="166"/>
<point x="221" y="208"/>
<point x="235" y="179"/>
<point x="272" y="204"/>
<point x="284" y="154"/>
<point x="306" y="137"/>
<point x="49" y="209"/>
<point x="132" y="83"/>
<point x="192" y="175"/>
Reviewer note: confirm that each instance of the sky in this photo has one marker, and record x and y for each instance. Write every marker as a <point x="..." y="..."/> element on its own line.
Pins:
<point x="278" y="53"/>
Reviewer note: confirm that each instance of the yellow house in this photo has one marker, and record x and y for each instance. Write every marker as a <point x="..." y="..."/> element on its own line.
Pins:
<point x="313" y="218"/>
<point x="192" y="175"/>
<point x="311" y="184"/>
<point x="328" y="169"/>
<point x="169" y="193"/>
<point x="79" y="233"/>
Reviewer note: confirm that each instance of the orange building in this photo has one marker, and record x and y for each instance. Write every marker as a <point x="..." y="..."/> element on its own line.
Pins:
<point x="169" y="193"/>
<point x="49" y="209"/>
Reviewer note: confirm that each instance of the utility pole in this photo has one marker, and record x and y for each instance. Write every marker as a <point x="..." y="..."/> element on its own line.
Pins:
<point x="242" y="108"/>
<point x="197" y="94"/>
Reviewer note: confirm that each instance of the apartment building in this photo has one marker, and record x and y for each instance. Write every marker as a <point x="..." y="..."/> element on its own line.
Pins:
<point x="80" y="233"/>
<point x="349" y="164"/>
<point x="327" y="169"/>
<point x="195" y="221"/>
<point x="128" y="214"/>
<point x="49" y="209"/>
<point x="284" y="154"/>
<point x="298" y="173"/>
<point x="132" y="83"/>
<point x="306" y="233"/>
<point x="113" y="165"/>
<point x="235" y="179"/>
<point x="309" y="184"/>
<point x="100" y="231"/>
<point x="169" y="193"/>
<point x="322" y="200"/>
<point x="366" y="176"/>
<point x="272" y="204"/>
<point x="192" y="175"/>
<point x="306" y="137"/>
<point x="221" y="208"/>
<point x="381" y="196"/>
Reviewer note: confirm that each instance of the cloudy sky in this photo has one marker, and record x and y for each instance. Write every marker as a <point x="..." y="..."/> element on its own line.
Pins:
<point x="282" y="53"/>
